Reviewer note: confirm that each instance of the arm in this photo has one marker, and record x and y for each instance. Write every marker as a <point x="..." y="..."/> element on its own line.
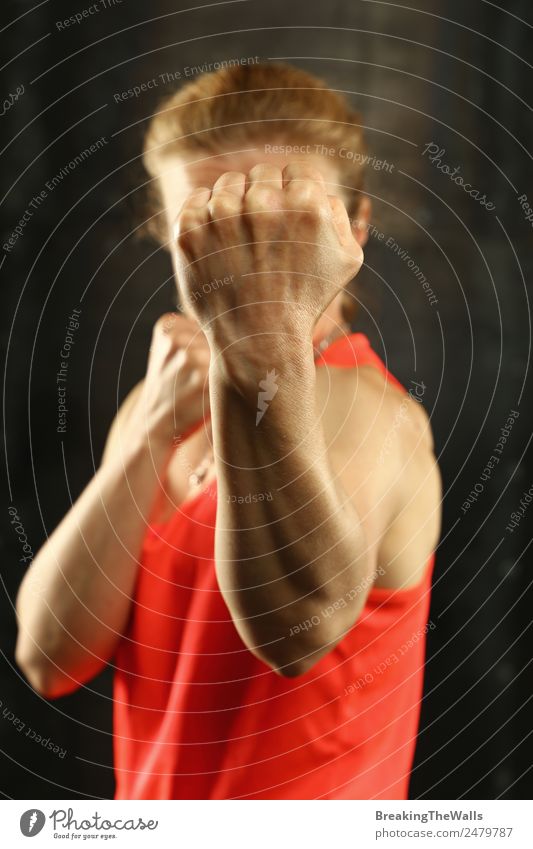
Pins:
<point x="331" y="523"/>
<point x="283" y="560"/>
<point x="74" y="602"/>
<point x="326" y="518"/>
<point x="290" y="250"/>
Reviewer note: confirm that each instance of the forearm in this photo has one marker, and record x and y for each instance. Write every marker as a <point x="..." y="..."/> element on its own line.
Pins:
<point x="74" y="601"/>
<point x="288" y="540"/>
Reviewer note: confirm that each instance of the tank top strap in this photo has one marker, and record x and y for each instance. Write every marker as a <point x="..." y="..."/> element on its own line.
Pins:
<point x="352" y="351"/>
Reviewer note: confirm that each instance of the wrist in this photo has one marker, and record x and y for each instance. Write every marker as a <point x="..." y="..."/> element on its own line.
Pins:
<point x="247" y="362"/>
<point x="272" y="395"/>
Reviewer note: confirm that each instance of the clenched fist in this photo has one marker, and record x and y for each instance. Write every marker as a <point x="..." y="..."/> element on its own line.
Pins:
<point x="174" y="399"/>
<point x="264" y="251"/>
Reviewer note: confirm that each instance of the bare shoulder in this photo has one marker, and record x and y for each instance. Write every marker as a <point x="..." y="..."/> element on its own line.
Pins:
<point x="360" y="402"/>
<point x="381" y="445"/>
<point x="119" y="422"/>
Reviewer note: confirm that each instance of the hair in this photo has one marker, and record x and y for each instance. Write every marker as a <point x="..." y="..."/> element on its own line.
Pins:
<point x="245" y="103"/>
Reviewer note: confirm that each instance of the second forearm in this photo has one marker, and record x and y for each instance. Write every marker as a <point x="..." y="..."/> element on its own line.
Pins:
<point x="76" y="596"/>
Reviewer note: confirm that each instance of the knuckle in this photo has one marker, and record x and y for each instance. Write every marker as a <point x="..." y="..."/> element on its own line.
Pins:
<point x="189" y="226"/>
<point x="165" y="323"/>
<point x="313" y="174"/>
<point x="306" y="208"/>
<point x="262" y="170"/>
<point x="188" y="368"/>
<point x="261" y="197"/>
<point x="224" y="204"/>
<point x="305" y="192"/>
<point x="231" y="177"/>
<point x="181" y="361"/>
<point x="302" y="171"/>
<point x="255" y="171"/>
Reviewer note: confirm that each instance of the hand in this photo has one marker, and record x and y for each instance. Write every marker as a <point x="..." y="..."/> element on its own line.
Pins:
<point x="262" y="252"/>
<point x="174" y="399"/>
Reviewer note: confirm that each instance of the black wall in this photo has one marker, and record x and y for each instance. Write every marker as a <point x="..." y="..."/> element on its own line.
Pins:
<point x="454" y="74"/>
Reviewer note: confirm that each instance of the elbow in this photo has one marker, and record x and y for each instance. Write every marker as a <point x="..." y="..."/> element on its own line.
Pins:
<point x="289" y="650"/>
<point x="296" y="655"/>
<point x="294" y="668"/>
<point x="39" y="680"/>
<point x="297" y="658"/>
<point x="36" y="673"/>
<point x="41" y="673"/>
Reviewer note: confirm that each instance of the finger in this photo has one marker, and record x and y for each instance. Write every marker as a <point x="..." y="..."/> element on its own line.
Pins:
<point x="182" y="331"/>
<point x="299" y="171"/>
<point x="188" y="324"/>
<point x="225" y="207"/>
<point x="184" y="340"/>
<point x="165" y="323"/>
<point x="195" y="358"/>
<point x="193" y="214"/>
<point x="341" y="220"/>
<point x="198" y="197"/>
<point x="344" y="230"/>
<point x="231" y="181"/>
<point x="201" y="357"/>
<point x="172" y="324"/>
<point x="265" y="175"/>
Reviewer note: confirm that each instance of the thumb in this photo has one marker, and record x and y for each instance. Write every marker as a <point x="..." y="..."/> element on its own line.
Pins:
<point x="344" y="229"/>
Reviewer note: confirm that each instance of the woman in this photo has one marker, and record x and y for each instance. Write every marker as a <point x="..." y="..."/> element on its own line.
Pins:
<point x="255" y="553"/>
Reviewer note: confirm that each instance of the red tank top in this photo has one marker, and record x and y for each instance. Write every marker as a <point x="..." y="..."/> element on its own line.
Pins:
<point x="198" y="716"/>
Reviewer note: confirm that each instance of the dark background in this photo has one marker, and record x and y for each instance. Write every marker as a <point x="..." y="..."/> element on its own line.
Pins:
<point x="457" y="74"/>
